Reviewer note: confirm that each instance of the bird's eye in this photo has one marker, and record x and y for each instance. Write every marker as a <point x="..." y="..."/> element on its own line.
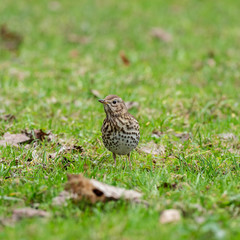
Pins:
<point x="114" y="102"/>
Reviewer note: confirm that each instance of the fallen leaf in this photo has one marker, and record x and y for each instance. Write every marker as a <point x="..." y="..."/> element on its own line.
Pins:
<point x="131" y="105"/>
<point x="38" y="134"/>
<point x="96" y="93"/>
<point x="169" y="216"/>
<point x="14" y="139"/>
<point x="153" y="148"/>
<point x="21" y="213"/>
<point x="25" y="137"/>
<point x="8" y="117"/>
<point x="125" y="60"/>
<point x="28" y="213"/>
<point x="11" y="40"/>
<point x="161" y="34"/>
<point x="94" y="191"/>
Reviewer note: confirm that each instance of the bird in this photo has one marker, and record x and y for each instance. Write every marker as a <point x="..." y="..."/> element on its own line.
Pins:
<point x="120" y="130"/>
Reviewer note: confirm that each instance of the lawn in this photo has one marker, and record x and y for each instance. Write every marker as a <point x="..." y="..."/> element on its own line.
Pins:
<point x="185" y="84"/>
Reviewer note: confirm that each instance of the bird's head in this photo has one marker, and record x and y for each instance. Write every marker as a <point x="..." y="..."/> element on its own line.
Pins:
<point x="113" y="106"/>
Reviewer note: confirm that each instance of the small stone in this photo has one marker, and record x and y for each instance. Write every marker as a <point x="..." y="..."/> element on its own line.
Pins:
<point x="169" y="216"/>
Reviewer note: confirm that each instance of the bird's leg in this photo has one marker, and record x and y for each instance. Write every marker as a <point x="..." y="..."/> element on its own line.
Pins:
<point x="114" y="157"/>
<point x="129" y="161"/>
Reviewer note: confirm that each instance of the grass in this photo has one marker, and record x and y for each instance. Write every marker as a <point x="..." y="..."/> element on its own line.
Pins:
<point x="188" y="85"/>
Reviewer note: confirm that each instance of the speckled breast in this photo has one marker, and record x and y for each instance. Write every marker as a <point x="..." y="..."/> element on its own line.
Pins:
<point x="120" y="138"/>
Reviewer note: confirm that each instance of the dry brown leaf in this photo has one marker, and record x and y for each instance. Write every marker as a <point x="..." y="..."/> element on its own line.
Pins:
<point x="96" y="93"/>
<point x="28" y="213"/>
<point x="94" y="191"/>
<point x="25" y="137"/>
<point x="131" y="105"/>
<point x="169" y="216"/>
<point x="21" y="213"/>
<point x="11" y="40"/>
<point x="153" y="148"/>
<point x="125" y="60"/>
<point x="161" y="34"/>
<point x="14" y="139"/>
<point x="38" y="134"/>
<point x="8" y="117"/>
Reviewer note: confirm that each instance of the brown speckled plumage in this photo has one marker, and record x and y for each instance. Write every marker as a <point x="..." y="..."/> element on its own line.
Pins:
<point x="120" y="130"/>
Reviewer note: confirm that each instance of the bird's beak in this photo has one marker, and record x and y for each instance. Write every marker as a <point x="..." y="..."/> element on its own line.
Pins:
<point x="102" y="101"/>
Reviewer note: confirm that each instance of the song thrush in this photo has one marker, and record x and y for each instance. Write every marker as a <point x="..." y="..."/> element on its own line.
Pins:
<point x="120" y="130"/>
